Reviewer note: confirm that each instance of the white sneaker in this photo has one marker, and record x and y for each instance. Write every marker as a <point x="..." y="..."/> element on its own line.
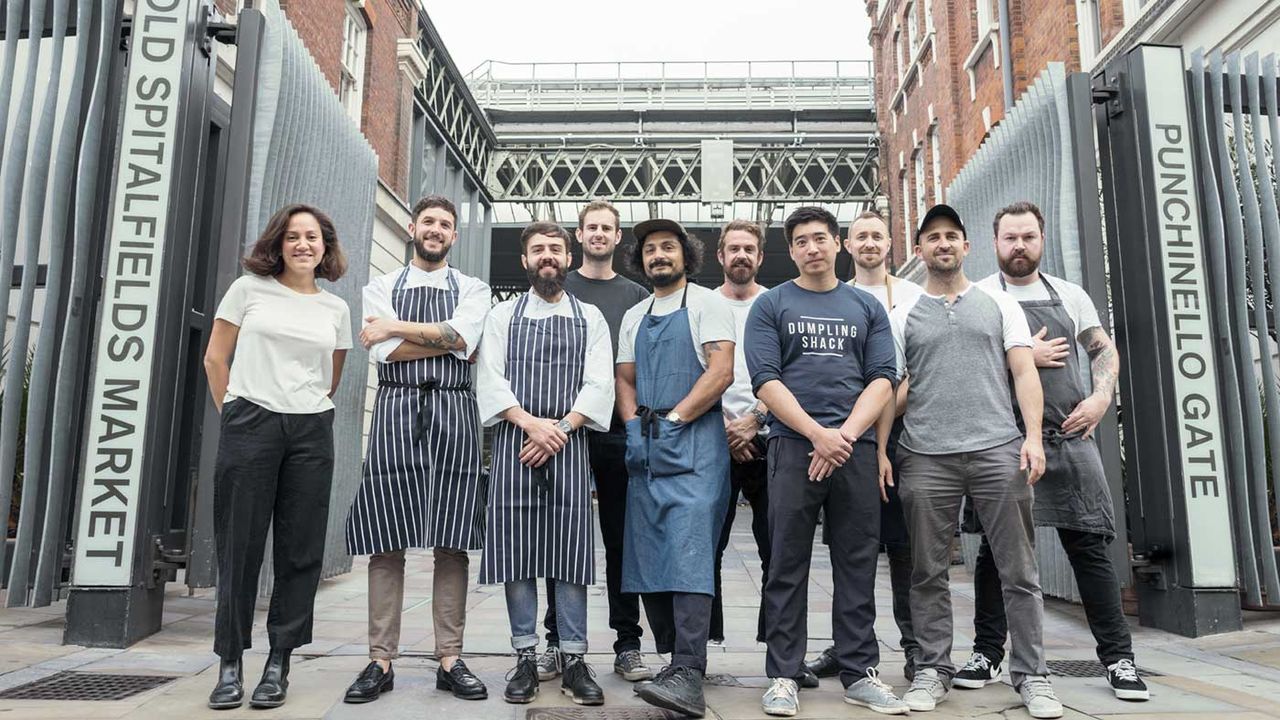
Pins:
<point x="1037" y="695"/>
<point x="927" y="690"/>
<point x="782" y="698"/>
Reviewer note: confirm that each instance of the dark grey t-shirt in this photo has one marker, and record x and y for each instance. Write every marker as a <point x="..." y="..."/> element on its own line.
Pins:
<point x="612" y="297"/>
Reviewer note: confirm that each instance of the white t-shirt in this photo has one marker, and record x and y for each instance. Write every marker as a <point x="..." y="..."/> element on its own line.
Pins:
<point x="710" y="320"/>
<point x="474" y="300"/>
<point x="284" y="351"/>
<point x="1075" y="300"/>
<point x="738" y="399"/>
<point x="904" y="291"/>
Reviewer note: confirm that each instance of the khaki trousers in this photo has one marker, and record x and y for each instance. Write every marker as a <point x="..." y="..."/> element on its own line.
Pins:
<point x="386" y="602"/>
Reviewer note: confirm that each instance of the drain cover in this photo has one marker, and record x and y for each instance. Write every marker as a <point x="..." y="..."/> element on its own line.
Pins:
<point x="71" y="685"/>
<point x="1087" y="669"/>
<point x="622" y="713"/>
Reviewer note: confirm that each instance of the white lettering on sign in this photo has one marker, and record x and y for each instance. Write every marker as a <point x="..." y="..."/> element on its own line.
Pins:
<point x="1194" y="374"/>
<point x="130" y="294"/>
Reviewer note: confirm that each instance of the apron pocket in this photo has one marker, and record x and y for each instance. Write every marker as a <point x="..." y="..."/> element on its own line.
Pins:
<point x="672" y="452"/>
<point x="634" y="458"/>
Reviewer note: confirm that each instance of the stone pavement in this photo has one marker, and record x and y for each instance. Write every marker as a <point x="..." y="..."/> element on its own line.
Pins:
<point x="1235" y="675"/>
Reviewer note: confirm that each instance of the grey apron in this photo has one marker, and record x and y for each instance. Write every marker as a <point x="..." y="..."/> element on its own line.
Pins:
<point x="539" y="519"/>
<point x="1073" y="493"/>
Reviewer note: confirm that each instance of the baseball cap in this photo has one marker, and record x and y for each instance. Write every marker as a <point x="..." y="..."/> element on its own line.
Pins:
<point x="648" y="227"/>
<point x="940" y="211"/>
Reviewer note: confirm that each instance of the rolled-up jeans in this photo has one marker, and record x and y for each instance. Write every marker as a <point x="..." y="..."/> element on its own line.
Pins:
<point x="571" y="614"/>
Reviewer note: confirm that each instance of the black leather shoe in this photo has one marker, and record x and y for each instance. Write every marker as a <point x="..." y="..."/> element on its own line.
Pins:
<point x="579" y="682"/>
<point x="274" y="684"/>
<point x="461" y="682"/>
<point x="371" y="683"/>
<point x="826" y="664"/>
<point x="522" y="681"/>
<point x="229" y="692"/>
<point x="677" y="688"/>
<point x="807" y="679"/>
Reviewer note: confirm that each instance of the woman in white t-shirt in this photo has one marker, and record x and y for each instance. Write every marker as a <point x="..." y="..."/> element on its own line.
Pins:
<point x="275" y="451"/>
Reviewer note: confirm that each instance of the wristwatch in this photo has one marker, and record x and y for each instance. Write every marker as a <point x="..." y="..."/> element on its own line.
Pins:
<point x="674" y="417"/>
<point x="565" y="426"/>
<point x="759" y="416"/>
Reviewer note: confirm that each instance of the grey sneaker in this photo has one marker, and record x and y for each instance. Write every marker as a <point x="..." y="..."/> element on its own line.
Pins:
<point x="782" y="698"/>
<point x="630" y="665"/>
<point x="550" y="663"/>
<point x="926" y="691"/>
<point x="872" y="692"/>
<point x="1037" y="695"/>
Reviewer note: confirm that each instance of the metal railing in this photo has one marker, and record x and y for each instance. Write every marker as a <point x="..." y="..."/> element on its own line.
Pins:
<point x="700" y="85"/>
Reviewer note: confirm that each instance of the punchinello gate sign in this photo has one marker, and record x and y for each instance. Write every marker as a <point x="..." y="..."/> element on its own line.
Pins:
<point x="121" y="390"/>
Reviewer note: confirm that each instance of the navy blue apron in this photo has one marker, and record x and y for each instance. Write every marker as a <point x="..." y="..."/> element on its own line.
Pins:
<point x="422" y="485"/>
<point x="539" y="519"/>
<point x="1073" y="493"/>
<point x="678" y="472"/>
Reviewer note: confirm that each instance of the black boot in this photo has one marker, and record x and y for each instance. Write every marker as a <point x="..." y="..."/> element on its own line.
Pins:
<point x="274" y="684"/>
<point x="461" y="682"/>
<point x="229" y="692"/>
<point x="579" y="682"/>
<point x="370" y="684"/>
<point x="522" y="681"/>
<point x="826" y="664"/>
<point x="678" y="688"/>
<point x="807" y="679"/>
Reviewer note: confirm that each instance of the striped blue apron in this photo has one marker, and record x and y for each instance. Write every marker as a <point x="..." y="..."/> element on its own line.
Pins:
<point x="421" y="484"/>
<point x="539" y="519"/>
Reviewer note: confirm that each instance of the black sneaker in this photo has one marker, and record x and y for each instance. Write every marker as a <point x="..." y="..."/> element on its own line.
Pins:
<point x="978" y="672"/>
<point x="579" y="682"/>
<point x="549" y="663"/>
<point x="522" y="681"/>
<point x="630" y="665"/>
<point x="677" y="688"/>
<point x="1124" y="680"/>
<point x="370" y="684"/>
<point x="826" y="664"/>
<point x="461" y="682"/>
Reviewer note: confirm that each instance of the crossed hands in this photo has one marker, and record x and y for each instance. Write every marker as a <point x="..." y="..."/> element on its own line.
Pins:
<point x="542" y="440"/>
<point x="831" y="448"/>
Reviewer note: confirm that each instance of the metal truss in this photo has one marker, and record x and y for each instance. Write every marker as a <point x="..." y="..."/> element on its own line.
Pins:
<point x="445" y="95"/>
<point x="762" y="174"/>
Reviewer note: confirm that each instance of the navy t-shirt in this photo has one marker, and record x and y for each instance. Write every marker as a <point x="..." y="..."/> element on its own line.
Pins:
<point x="824" y="346"/>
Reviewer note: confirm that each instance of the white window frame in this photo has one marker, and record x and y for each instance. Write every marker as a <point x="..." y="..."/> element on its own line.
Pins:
<point x="918" y="163"/>
<point x="985" y="18"/>
<point x="907" y="226"/>
<point x="355" y="38"/>
<point x="913" y="30"/>
<point x="936" y="158"/>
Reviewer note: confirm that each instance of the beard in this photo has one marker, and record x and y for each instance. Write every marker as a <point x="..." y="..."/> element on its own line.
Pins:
<point x="593" y="255"/>
<point x="740" y="274"/>
<point x="867" y="263"/>
<point x="543" y="285"/>
<point x="663" y="275"/>
<point x="1019" y="266"/>
<point x="430" y="256"/>
<point x="949" y="266"/>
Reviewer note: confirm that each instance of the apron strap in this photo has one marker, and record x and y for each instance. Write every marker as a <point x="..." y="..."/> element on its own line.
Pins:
<point x="1053" y="294"/>
<point x="400" y="280"/>
<point x="684" y="299"/>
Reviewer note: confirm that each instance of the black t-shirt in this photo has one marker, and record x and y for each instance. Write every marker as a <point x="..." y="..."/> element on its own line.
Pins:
<point x="613" y="297"/>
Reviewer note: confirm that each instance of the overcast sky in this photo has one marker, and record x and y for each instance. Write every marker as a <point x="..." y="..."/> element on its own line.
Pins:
<point x="649" y="30"/>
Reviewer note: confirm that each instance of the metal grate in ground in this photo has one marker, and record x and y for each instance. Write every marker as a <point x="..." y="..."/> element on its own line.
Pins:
<point x="72" y="685"/>
<point x="601" y="713"/>
<point x="1087" y="669"/>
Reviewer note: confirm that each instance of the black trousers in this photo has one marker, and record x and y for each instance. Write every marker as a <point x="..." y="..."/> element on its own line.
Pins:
<point x="851" y="501"/>
<point x="751" y="479"/>
<point x="1099" y="593"/>
<point x="607" y="454"/>
<point x="271" y="468"/>
<point x="679" y="622"/>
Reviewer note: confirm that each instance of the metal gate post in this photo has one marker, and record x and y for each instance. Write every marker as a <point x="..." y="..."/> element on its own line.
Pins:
<point x="1175" y="452"/>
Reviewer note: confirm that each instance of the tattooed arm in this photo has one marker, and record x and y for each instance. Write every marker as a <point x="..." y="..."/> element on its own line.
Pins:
<point x="714" y="381"/>
<point x="429" y="339"/>
<point x="1104" y="364"/>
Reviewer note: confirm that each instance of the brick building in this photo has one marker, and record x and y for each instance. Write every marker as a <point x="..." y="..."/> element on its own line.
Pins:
<point x="940" y="80"/>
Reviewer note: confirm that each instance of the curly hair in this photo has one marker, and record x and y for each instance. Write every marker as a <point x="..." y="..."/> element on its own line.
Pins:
<point x="435" y="201"/>
<point x="690" y="245"/>
<point x="267" y="259"/>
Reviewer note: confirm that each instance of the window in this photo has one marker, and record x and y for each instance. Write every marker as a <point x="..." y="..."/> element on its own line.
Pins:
<point x="913" y="31"/>
<point x="919" y="169"/>
<point x="928" y="16"/>
<point x="986" y="16"/>
<point x="937" y="164"/>
<point x="1089" y="21"/>
<point x="907" y="226"/>
<point x="351" y="87"/>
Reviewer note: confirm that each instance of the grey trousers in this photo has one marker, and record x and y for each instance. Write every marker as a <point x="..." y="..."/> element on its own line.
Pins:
<point x="932" y="487"/>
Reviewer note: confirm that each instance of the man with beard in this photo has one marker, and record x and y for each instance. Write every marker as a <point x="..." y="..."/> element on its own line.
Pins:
<point x="544" y="379"/>
<point x="869" y="244"/>
<point x="421" y="476"/>
<point x="675" y="360"/>
<point x="596" y="283"/>
<point x="1073" y="495"/>
<point x="821" y="355"/>
<point x="741" y="252"/>
<point x="957" y="345"/>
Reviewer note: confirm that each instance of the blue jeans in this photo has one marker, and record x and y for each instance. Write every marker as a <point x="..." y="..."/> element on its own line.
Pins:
<point x="571" y="614"/>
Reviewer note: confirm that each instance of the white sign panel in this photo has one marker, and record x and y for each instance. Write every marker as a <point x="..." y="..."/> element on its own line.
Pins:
<point x="717" y="171"/>
<point x="1194" y="373"/>
<point x="127" y="328"/>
